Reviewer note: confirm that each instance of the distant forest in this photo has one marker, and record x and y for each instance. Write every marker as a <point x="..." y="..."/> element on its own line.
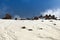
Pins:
<point x="8" y="16"/>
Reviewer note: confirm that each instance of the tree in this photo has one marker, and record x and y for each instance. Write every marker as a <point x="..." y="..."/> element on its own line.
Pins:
<point x="36" y="18"/>
<point x="7" y="16"/>
<point x="53" y="17"/>
<point x="50" y="16"/>
<point x="46" y="16"/>
<point x="40" y="16"/>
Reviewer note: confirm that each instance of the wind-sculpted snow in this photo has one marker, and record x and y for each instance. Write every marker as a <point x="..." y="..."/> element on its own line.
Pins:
<point x="29" y="30"/>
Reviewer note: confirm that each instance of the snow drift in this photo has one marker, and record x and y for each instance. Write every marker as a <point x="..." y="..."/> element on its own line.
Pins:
<point x="29" y="30"/>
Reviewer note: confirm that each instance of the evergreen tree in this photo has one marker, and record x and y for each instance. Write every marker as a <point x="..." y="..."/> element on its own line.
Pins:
<point x="7" y="16"/>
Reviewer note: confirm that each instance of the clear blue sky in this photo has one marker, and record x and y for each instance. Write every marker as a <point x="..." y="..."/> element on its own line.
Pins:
<point x="27" y="8"/>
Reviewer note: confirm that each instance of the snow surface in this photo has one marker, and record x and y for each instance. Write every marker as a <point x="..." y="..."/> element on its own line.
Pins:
<point x="39" y="30"/>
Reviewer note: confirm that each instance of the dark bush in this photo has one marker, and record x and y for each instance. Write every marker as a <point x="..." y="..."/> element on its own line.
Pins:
<point x="15" y="18"/>
<point x="28" y="18"/>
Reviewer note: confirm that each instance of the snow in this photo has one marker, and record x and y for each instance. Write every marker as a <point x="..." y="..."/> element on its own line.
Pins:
<point x="46" y="30"/>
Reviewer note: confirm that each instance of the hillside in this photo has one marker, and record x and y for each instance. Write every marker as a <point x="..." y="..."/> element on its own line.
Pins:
<point x="29" y="30"/>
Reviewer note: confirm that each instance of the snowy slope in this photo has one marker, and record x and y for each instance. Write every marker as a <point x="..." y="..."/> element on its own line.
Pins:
<point x="29" y="30"/>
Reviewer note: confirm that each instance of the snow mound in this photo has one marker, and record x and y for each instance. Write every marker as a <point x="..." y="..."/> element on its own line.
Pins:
<point x="29" y="30"/>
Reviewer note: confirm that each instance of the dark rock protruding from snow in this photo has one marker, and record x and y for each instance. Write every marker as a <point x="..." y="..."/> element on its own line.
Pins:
<point x="54" y="24"/>
<point x="23" y="27"/>
<point x="30" y="30"/>
<point x="40" y="28"/>
<point x="15" y="18"/>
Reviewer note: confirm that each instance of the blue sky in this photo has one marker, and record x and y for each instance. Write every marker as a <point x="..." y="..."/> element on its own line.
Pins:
<point x="27" y="8"/>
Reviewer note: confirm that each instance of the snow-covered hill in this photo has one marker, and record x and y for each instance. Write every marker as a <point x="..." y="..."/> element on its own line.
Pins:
<point x="29" y="30"/>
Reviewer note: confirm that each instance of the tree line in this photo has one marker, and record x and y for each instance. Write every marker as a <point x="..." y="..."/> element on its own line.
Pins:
<point x="8" y="16"/>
